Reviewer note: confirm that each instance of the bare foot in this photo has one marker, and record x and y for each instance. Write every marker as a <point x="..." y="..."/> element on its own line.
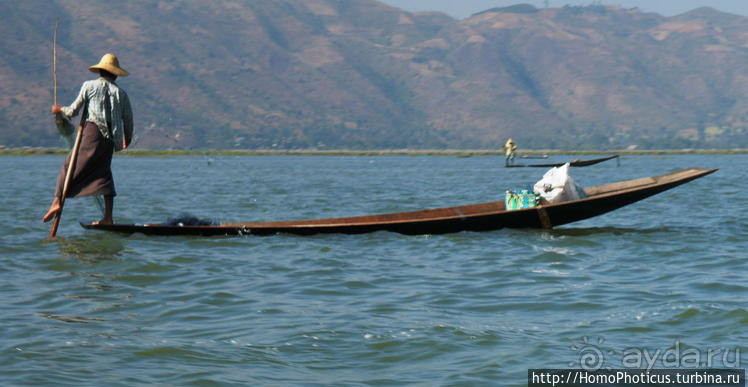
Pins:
<point x="54" y="209"/>
<point x="104" y="221"/>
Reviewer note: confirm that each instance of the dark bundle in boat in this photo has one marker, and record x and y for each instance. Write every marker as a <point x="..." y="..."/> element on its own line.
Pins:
<point x="187" y="219"/>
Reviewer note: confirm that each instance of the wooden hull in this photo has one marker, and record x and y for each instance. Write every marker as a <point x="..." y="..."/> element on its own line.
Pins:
<point x="474" y="217"/>
<point x="575" y="163"/>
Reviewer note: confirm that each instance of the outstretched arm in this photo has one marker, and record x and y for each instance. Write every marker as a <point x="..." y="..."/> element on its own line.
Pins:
<point x="72" y="110"/>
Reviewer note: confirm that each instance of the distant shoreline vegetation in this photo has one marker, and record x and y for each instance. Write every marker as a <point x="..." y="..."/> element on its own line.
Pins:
<point x="386" y="152"/>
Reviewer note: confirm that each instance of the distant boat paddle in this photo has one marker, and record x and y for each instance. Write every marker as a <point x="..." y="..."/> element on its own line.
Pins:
<point x="575" y="163"/>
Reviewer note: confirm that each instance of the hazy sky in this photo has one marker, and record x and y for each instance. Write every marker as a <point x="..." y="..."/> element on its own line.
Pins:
<point x="464" y="8"/>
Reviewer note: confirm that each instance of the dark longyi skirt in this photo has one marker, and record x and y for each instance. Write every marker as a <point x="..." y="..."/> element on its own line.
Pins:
<point x="93" y="172"/>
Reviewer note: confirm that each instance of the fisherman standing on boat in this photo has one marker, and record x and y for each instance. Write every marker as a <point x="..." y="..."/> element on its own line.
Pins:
<point x="510" y="149"/>
<point x="108" y="128"/>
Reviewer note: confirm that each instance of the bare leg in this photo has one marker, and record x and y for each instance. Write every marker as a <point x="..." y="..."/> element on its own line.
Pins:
<point x="53" y="210"/>
<point x="108" y="208"/>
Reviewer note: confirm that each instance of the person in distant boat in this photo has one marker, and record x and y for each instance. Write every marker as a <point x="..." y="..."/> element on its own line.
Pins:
<point x="108" y="127"/>
<point x="509" y="149"/>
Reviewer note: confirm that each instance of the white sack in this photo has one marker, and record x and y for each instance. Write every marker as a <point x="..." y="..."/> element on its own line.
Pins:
<point x="557" y="186"/>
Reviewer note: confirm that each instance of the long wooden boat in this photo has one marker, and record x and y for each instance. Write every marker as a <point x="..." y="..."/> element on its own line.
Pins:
<point x="475" y="217"/>
<point x="575" y="163"/>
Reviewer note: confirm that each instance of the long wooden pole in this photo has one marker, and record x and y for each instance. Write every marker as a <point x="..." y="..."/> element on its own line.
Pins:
<point x="54" y="57"/>
<point x="59" y="120"/>
<point x="70" y="171"/>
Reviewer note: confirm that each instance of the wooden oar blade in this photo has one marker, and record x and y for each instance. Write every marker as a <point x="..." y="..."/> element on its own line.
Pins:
<point x="70" y="170"/>
<point x="55" y="224"/>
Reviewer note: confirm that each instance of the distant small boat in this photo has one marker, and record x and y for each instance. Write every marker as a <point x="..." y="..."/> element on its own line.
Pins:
<point x="533" y="156"/>
<point x="575" y="163"/>
<point x="475" y="217"/>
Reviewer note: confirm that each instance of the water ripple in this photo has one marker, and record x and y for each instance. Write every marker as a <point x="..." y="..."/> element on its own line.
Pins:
<point x="381" y="308"/>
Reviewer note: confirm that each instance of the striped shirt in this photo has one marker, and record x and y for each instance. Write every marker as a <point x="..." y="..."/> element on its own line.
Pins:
<point x="108" y="108"/>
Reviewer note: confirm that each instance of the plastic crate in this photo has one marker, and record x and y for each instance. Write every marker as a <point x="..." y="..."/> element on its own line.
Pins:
<point x="516" y="200"/>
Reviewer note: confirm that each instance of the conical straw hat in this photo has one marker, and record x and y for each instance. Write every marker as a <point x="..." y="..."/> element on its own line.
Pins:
<point x="110" y="63"/>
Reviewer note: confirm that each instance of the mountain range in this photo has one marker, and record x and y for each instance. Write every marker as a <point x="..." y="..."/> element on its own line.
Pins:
<point x="359" y="74"/>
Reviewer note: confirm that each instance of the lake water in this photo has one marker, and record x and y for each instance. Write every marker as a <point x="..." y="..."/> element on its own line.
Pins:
<point x="664" y="276"/>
